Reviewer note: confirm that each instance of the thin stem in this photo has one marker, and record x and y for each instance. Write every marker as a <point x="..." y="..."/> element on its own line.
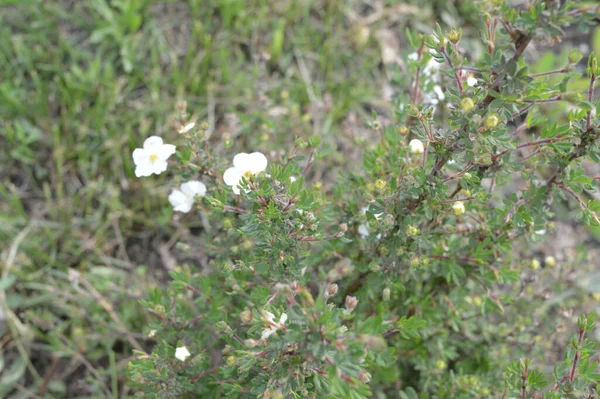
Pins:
<point x="537" y="75"/>
<point x="543" y="100"/>
<point x="588" y="124"/>
<point x="228" y="208"/>
<point x="579" y="200"/>
<point x="524" y="375"/>
<point x="524" y="145"/>
<point x="576" y="358"/>
<point x="458" y="199"/>
<point x="457" y="73"/>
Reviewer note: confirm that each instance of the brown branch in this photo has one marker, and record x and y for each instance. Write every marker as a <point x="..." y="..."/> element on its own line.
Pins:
<point x="577" y="355"/>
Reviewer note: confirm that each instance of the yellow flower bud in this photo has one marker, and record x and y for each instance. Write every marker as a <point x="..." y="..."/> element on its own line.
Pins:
<point x="467" y="104"/>
<point x="492" y="121"/>
<point x="534" y="264"/>
<point x="550" y="261"/>
<point x="412" y="231"/>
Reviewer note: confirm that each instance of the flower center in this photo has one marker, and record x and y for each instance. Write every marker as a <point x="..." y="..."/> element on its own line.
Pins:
<point x="153" y="157"/>
<point x="247" y="174"/>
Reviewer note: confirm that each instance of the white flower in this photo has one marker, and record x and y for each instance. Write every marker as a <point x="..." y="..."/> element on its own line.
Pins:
<point x="187" y="128"/>
<point x="471" y="81"/>
<point x="244" y="165"/>
<point x="293" y="179"/>
<point x="183" y="199"/>
<point x="182" y="353"/>
<point x="458" y="207"/>
<point x="416" y="146"/>
<point x="153" y="157"/>
<point x="272" y="327"/>
<point x="363" y="230"/>
<point x="439" y="92"/>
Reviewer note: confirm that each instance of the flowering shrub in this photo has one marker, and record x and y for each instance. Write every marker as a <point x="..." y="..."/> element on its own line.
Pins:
<point x="401" y="279"/>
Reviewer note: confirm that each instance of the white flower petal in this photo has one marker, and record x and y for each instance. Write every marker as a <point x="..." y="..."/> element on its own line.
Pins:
<point x="267" y="332"/>
<point x="283" y="318"/>
<point x="182" y="353"/>
<point x="187" y="128"/>
<point x="193" y="188"/>
<point x="158" y="167"/>
<point x="180" y="201"/>
<point x="165" y="151"/>
<point x="240" y="161"/>
<point x="257" y="162"/>
<point x="471" y="81"/>
<point x="270" y="317"/>
<point x="440" y="94"/>
<point x="363" y="231"/>
<point x="416" y="146"/>
<point x="235" y="189"/>
<point x="232" y="177"/>
<point x="143" y="170"/>
<point x="152" y="142"/>
<point x="139" y="156"/>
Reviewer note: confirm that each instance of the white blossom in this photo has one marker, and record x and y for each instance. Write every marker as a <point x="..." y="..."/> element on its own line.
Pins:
<point x="187" y="128"/>
<point x="363" y="230"/>
<point x="244" y="165"/>
<point x="152" y="158"/>
<point x="416" y="146"/>
<point x="183" y="199"/>
<point x="182" y="353"/>
<point x="471" y="81"/>
<point x="272" y="326"/>
<point x="458" y="207"/>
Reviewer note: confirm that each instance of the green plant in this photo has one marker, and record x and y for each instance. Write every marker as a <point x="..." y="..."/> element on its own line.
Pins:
<point x="402" y="275"/>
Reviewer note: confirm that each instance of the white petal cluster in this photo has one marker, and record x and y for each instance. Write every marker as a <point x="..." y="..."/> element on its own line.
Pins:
<point x="272" y="326"/>
<point x="182" y="200"/>
<point x="152" y="158"/>
<point x="182" y="353"/>
<point x="416" y="146"/>
<point x="244" y="165"/>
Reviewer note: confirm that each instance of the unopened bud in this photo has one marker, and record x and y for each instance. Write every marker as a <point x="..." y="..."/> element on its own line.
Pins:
<point x="403" y="130"/>
<point x="380" y="184"/>
<point x="332" y="289"/>
<point x="343" y="227"/>
<point x="351" y="302"/>
<point x="416" y="146"/>
<point x="250" y="343"/>
<point x="467" y="104"/>
<point x="224" y="327"/>
<point x="550" y="261"/>
<point x="231" y="361"/>
<point x="492" y="121"/>
<point x="534" y="264"/>
<point x="386" y="294"/>
<point x="575" y="56"/>
<point x="454" y="35"/>
<point x="246" y="317"/>
<point x="412" y="231"/>
<point x="364" y="377"/>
